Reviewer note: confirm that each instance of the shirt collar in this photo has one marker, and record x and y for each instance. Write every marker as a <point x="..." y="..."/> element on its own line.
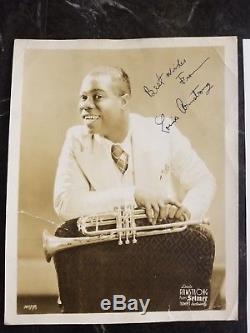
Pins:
<point x="125" y="144"/>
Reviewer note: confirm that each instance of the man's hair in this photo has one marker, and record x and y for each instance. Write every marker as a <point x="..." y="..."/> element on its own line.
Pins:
<point x="117" y="74"/>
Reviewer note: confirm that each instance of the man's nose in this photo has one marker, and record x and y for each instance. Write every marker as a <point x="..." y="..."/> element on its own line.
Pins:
<point x="87" y="104"/>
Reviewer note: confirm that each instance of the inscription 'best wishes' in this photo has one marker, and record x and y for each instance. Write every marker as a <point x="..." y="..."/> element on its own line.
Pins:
<point x="178" y="72"/>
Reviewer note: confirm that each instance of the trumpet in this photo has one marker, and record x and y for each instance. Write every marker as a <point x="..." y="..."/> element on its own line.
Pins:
<point x="118" y="225"/>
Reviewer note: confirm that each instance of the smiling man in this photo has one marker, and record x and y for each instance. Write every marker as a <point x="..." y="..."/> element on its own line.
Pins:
<point x="103" y="100"/>
<point x="118" y="158"/>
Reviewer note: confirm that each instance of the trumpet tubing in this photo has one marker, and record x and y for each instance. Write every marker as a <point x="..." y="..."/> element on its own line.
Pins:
<point x="125" y="230"/>
<point x="53" y="244"/>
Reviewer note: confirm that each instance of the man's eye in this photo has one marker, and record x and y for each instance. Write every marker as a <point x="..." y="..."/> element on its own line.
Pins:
<point x="83" y="98"/>
<point x="98" y="97"/>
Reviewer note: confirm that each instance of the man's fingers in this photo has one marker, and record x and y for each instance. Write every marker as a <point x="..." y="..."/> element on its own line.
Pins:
<point x="183" y="212"/>
<point x="172" y="210"/>
<point x="160" y="209"/>
<point x="156" y="209"/>
<point x="149" y="212"/>
<point x="179" y="213"/>
<point x="162" y="213"/>
<point x="186" y="215"/>
<point x="172" y="202"/>
<point x="167" y="210"/>
<point x="182" y="218"/>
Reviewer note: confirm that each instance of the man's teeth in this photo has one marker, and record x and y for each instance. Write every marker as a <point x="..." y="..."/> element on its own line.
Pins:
<point x="89" y="117"/>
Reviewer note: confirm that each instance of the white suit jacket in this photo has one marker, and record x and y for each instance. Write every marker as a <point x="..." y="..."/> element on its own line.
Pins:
<point x="86" y="182"/>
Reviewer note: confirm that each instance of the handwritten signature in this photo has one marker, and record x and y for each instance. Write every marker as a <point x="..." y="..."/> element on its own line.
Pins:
<point x="196" y="93"/>
<point x="183" y="107"/>
<point x="161" y="120"/>
<point x="161" y="79"/>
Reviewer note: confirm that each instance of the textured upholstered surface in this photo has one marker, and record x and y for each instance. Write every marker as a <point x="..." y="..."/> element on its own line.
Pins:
<point x="165" y="268"/>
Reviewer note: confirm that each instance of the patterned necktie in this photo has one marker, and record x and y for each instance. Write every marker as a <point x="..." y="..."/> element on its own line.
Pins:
<point x="120" y="158"/>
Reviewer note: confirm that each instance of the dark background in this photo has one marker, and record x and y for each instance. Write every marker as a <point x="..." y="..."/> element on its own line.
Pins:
<point x="59" y="19"/>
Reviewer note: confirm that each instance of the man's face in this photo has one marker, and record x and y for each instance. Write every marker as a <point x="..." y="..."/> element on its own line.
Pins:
<point x="100" y="103"/>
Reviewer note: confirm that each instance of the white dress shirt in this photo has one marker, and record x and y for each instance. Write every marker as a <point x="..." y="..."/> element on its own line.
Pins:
<point x="128" y="177"/>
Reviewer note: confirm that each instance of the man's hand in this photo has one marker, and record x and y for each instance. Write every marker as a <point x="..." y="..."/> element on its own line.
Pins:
<point x="158" y="208"/>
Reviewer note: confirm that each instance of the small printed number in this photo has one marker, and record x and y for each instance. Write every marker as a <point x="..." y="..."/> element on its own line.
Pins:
<point x="30" y="307"/>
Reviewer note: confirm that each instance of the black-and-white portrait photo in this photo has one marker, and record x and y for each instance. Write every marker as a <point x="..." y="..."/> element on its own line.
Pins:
<point x="122" y="186"/>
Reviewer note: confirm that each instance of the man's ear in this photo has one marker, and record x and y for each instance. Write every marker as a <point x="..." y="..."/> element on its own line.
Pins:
<point x="125" y="100"/>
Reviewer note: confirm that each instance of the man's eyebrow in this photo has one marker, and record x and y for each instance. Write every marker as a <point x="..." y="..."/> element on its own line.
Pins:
<point x="92" y="90"/>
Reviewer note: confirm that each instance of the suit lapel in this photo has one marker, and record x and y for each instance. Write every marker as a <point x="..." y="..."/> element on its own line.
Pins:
<point x="148" y="157"/>
<point x="98" y="165"/>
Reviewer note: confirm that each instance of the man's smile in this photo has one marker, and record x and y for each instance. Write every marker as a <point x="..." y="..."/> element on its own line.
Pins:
<point x="89" y="119"/>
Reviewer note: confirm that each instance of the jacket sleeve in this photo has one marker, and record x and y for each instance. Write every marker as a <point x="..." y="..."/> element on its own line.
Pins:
<point x="193" y="174"/>
<point x="72" y="195"/>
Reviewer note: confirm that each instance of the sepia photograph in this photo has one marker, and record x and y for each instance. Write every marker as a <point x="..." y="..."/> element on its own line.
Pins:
<point x="122" y="201"/>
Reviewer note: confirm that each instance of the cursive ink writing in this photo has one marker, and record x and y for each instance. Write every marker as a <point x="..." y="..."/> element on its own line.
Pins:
<point x="165" y="123"/>
<point x="159" y="82"/>
<point x="161" y="79"/>
<point x="196" y="93"/>
<point x="183" y="79"/>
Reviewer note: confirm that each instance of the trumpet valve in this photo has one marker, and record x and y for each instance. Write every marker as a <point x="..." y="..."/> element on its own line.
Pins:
<point x="127" y="241"/>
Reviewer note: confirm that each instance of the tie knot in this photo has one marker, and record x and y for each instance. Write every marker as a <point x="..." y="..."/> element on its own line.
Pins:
<point x="116" y="151"/>
<point x="120" y="158"/>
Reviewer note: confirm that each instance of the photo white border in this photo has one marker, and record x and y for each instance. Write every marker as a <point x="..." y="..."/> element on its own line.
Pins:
<point x="231" y="137"/>
<point x="246" y="55"/>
